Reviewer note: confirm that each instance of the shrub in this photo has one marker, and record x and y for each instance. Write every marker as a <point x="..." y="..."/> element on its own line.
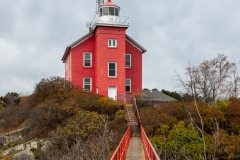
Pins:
<point x="52" y="88"/>
<point x="12" y="117"/>
<point x="46" y="117"/>
<point x="11" y="99"/>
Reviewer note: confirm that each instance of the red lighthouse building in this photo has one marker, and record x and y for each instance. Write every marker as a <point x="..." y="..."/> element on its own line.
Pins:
<point x="106" y="60"/>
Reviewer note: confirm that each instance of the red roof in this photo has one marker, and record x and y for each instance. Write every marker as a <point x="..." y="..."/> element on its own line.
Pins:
<point x="109" y="3"/>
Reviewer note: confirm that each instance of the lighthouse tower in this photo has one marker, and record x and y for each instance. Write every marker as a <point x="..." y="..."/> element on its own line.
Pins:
<point x="106" y="60"/>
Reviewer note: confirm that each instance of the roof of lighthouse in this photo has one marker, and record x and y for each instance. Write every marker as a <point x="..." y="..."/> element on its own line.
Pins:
<point x="109" y="3"/>
<point x="90" y="34"/>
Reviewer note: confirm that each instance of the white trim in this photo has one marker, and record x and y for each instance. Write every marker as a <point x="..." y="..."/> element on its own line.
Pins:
<point x="84" y="39"/>
<point x="130" y="84"/>
<point x="135" y="46"/>
<point x="130" y="60"/>
<point x="85" y="59"/>
<point x="115" y="70"/>
<point x="87" y="84"/>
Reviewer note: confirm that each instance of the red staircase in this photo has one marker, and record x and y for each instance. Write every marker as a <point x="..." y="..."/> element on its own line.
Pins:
<point x="134" y="127"/>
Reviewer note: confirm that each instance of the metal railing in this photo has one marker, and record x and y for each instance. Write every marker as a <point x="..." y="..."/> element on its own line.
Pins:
<point x="150" y="153"/>
<point x="121" y="151"/>
<point x="136" y="111"/>
<point x="124" y="98"/>
<point x="121" y="20"/>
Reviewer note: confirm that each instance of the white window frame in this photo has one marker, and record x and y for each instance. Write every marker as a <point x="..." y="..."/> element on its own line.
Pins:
<point x="115" y="70"/>
<point x="87" y="84"/>
<point x="110" y="42"/>
<point x="84" y="59"/>
<point x="126" y="60"/>
<point x="130" y="86"/>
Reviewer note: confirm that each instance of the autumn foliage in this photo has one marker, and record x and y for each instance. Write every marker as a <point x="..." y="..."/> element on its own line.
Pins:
<point x="175" y="129"/>
<point x="73" y="119"/>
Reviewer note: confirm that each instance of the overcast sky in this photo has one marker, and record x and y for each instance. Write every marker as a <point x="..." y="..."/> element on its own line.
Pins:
<point x="34" y="35"/>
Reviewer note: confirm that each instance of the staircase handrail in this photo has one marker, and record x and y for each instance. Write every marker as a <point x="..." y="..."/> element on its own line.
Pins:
<point x="121" y="151"/>
<point x="136" y="111"/>
<point x="150" y="153"/>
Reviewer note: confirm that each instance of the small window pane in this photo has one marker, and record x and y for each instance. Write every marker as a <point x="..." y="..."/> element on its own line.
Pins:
<point x="128" y="89"/>
<point x="105" y="11"/>
<point x="116" y="12"/>
<point x="87" y="56"/>
<point x="111" y="11"/>
<point x="109" y="42"/>
<point x="111" y="65"/>
<point x="87" y="63"/>
<point x="87" y="87"/>
<point x="128" y="82"/>
<point x="101" y="12"/>
<point x="87" y="80"/>
<point x="114" y="43"/>
<point x="112" y="73"/>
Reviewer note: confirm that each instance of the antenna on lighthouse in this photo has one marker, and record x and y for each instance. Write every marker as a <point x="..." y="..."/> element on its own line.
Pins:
<point x="99" y="3"/>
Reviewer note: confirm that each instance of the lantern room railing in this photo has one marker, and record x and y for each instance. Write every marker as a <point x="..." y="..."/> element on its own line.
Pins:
<point x="112" y="20"/>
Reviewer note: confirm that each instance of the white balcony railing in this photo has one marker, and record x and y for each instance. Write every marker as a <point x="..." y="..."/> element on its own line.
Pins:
<point x="110" y="20"/>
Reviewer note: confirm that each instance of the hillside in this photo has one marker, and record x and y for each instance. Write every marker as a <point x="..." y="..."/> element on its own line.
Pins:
<point x="189" y="130"/>
<point x="72" y="122"/>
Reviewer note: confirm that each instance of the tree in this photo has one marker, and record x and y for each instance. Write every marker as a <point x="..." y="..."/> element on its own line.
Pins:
<point x="52" y="88"/>
<point x="181" y="142"/>
<point x="172" y="94"/>
<point x="211" y="79"/>
<point x="11" y="99"/>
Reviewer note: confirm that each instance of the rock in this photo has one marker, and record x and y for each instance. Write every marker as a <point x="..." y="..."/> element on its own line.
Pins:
<point x="19" y="147"/>
<point x="34" y="144"/>
<point x="6" y="152"/>
<point x="45" y="147"/>
<point x="3" y="141"/>
<point x="24" y="155"/>
<point x="25" y="150"/>
<point x="9" y="138"/>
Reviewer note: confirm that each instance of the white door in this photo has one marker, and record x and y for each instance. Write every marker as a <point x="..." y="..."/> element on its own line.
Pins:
<point x="112" y="92"/>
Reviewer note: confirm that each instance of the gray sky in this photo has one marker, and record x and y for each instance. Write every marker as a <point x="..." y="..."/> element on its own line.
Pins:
<point x="34" y="35"/>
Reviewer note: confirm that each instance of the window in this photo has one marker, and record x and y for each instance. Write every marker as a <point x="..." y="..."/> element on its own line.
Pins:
<point x="105" y="11"/>
<point x="112" y="43"/>
<point x="87" y="84"/>
<point x="128" y="85"/>
<point x="128" y="61"/>
<point x="112" y="69"/>
<point x="111" y="11"/>
<point x="116" y="12"/>
<point x="87" y="62"/>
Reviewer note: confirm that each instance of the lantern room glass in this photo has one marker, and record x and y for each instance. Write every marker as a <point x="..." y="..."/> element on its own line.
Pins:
<point x="112" y="11"/>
